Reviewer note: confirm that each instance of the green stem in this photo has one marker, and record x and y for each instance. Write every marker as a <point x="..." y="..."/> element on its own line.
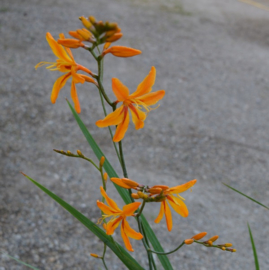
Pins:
<point x="122" y="160"/>
<point x="166" y="253"/>
<point x="103" y="257"/>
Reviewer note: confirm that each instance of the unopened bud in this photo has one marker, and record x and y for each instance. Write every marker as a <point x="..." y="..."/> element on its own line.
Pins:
<point x="234" y="250"/>
<point x="114" y="37"/>
<point x="228" y="245"/>
<point x="85" y="22"/>
<point x="210" y="243"/>
<point x="223" y="248"/>
<point x="188" y="241"/>
<point x="154" y="190"/>
<point x="142" y="195"/>
<point x="135" y="196"/>
<point x="92" y="19"/>
<point x="105" y="176"/>
<point x="213" y="238"/>
<point x="130" y="183"/>
<point x="102" y="161"/>
<point x="69" y="153"/>
<point x="94" y="255"/>
<point x="79" y="153"/>
<point x="199" y="236"/>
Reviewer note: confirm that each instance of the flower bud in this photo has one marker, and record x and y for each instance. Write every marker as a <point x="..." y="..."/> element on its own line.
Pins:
<point x="142" y="195"/>
<point x="102" y="161"/>
<point x="130" y="183"/>
<point x="234" y="250"/>
<point x="213" y="238"/>
<point x="105" y="176"/>
<point x="155" y="190"/>
<point x="228" y="245"/>
<point x="135" y="196"/>
<point x="94" y="255"/>
<point x="199" y="236"/>
<point x="223" y="248"/>
<point x="85" y="22"/>
<point x="92" y="19"/>
<point x="79" y="153"/>
<point x="210" y="243"/>
<point x="188" y="241"/>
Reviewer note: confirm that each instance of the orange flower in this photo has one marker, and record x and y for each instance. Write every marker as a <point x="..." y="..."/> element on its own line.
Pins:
<point x="66" y="64"/>
<point x="119" y="216"/>
<point x="141" y="98"/>
<point x="176" y="202"/>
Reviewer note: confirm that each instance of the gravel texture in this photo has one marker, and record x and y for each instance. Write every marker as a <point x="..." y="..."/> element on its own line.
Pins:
<point x="211" y="58"/>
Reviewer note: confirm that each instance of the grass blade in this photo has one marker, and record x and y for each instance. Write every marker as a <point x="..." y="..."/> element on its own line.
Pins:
<point x="123" y="192"/>
<point x="122" y="254"/>
<point x="254" y="249"/>
<point x="245" y="196"/>
<point x="21" y="262"/>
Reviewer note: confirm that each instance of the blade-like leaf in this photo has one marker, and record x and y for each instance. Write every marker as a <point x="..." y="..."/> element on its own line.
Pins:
<point x="254" y="249"/>
<point x="245" y="195"/>
<point x="123" y="192"/>
<point x="21" y="262"/>
<point x="122" y="254"/>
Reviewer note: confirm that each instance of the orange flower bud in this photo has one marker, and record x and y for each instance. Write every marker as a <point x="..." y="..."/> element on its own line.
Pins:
<point x="210" y="243"/>
<point x="107" y="45"/>
<point x="228" y="245"/>
<point x="85" y="22"/>
<point x="79" y="153"/>
<point x="142" y="195"/>
<point x="135" y="196"/>
<point x="105" y="176"/>
<point x="115" y="37"/>
<point x="213" y="238"/>
<point x="121" y="51"/>
<point x="94" y="255"/>
<point x="70" y="43"/>
<point x="199" y="236"/>
<point x="92" y="19"/>
<point x="223" y="248"/>
<point x="188" y="241"/>
<point x="102" y="161"/>
<point x="155" y="190"/>
<point x="234" y="250"/>
<point x="130" y="183"/>
<point x="74" y="34"/>
<point x="84" y="33"/>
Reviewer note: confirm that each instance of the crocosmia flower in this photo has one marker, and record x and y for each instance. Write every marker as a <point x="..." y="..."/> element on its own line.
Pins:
<point x="141" y="99"/>
<point x="174" y="199"/>
<point x="66" y="64"/>
<point x="119" y="216"/>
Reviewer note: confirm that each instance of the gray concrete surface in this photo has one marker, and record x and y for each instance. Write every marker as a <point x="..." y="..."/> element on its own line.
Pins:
<point x="212" y="58"/>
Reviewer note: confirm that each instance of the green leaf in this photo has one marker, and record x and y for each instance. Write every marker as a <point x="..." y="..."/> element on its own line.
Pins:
<point x="245" y="196"/>
<point x="123" y="192"/>
<point x="254" y="249"/>
<point x="21" y="262"/>
<point x="122" y="254"/>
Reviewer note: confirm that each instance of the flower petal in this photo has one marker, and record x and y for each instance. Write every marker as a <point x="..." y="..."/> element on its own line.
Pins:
<point x="138" y="116"/>
<point x="125" y="238"/>
<point x="181" y="188"/>
<point x="131" y="232"/>
<point x="151" y="98"/>
<point x="61" y="36"/>
<point x="74" y="97"/>
<point x="113" y="118"/>
<point x="145" y="86"/>
<point x="129" y="209"/>
<point x="178" y="205"/>
<point x="58" y="85"/>
<point x="122" y="127"/>
<point x="106" y="209"/>
<point x="57" y="49"/>
<point x="168" y="216"/>
<point x="119" y="89"/>
<point x="112" y="225"/>
<point x="70" y="43"/>
<point x="110" y="202"/>
<point x="160" y="216"/>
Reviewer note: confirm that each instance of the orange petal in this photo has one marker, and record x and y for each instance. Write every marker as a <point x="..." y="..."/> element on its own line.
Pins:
<point x="178" y="205"/>
<point x="161" y="186"/>
<point x="113" y="118"/>
<point x="106" y="209"/>
<point x="121" y="51"/>
<point x="115" y="37"/>
<point x="87" y="78"/>
<point x="138" y="117"/>
<point x="110" y="202"/>
<point x="57" y="49"/>
<point x="125" y="238"/>
<point x="152" y="98"/>
<point x="119" y="182"/>
<point x="74" y="97"/>
<point x="129" y="209"/>
<point x="58" y="85"/>
<point x="122" y="127"/>
<point x="112" y="225"/>
<point x="181" y="188"/>
<point x="70" y="43"/>
<point x="131" y="232"/>
<point x="74" y="34"/>
<point x="160" y="216"/>
<point x="107" y="44"/>
<point x="168" y="216"/>
<point x="61" y="36"/>
<point x="130" y="183"/>
<point x="119" y="89"/>
<point x="145" y="86"/>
